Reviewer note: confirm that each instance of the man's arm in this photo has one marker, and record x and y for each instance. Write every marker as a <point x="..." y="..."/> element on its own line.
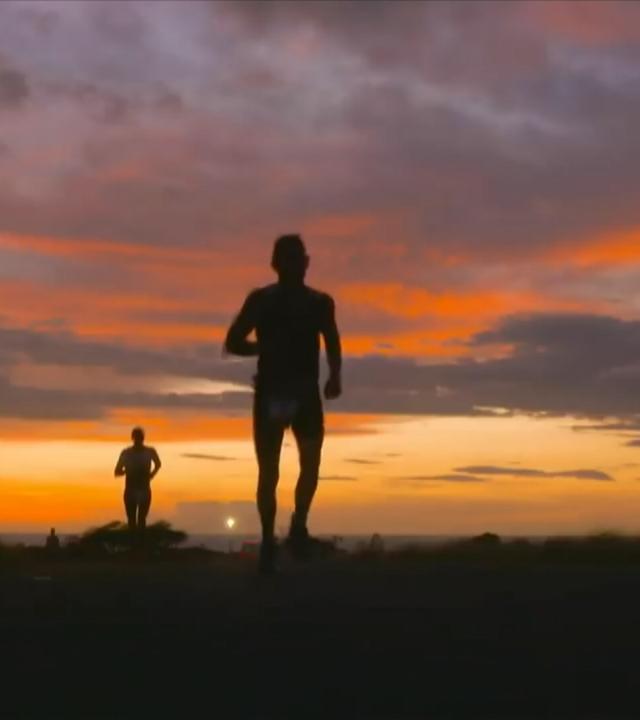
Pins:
<point x="120" y="466"/>
<point x="333" y="386"/>
<point x="157" y="464"/>
<point x="236" y="341"/>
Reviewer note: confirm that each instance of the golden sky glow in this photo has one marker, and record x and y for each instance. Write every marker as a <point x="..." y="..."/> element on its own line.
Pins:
<point x="385" y="478"/>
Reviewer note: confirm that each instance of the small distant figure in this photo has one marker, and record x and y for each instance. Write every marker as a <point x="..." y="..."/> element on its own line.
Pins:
<point x="376" y="544"/>
<point x="139" y="464"/>
<point x="52" y="543"/>
<point x="288" y="318"/>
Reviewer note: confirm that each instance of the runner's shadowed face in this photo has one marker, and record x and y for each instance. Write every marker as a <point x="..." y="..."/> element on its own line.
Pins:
<point x="137" y="435"/>
<point x="291" y="266"/>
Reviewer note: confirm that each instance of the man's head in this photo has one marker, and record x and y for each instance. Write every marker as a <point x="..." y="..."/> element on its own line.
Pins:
<point x="137" y="435"/>
<point x="290" y="259"/>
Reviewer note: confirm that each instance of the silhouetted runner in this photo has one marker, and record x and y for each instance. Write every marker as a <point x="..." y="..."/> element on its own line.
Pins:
<point x="135" y="463"/>
<point x="288" y="318"/>
<point x="52" y="543"/>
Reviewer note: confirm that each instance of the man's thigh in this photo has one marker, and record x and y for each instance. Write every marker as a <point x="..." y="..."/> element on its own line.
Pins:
<point x="267" y="436"/>
<point x="130" y="501"/>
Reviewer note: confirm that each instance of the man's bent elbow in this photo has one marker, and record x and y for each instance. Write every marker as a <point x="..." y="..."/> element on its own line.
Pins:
<point x="231" y="344"/>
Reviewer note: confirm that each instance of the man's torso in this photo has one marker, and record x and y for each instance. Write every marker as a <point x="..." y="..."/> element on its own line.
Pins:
<point x="137" y="465"/>
<point x="288" y="326"/>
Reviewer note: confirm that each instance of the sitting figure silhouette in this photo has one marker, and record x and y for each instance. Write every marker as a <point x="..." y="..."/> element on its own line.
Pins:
<point x="288" y="318"/>
<point x="139" y="464"/>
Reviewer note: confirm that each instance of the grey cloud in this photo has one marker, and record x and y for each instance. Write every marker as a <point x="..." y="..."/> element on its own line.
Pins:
<point x="41" y="20"/>
<point x="104" y="106"/>
<point x="633" y="443"/>
<point x="450" y="478"/>
<point x="565" y="334"/>
<point x="44" y="404"/>
<point x="542" y="177"/>
<point x="113" y="105"/>
<point x="561" y="365"/>
<point x="64" y="348"/>
<point x="169" y="101"/>
<point x="495" y="470"/>
<point x="626" y="426"/>
<point x="122" y="25"/>
<point x="581" y="474"/>
<point x="14" y="88"/>
<point x="430" y="33"/>
<point x="339" y="478"/>
<point x="472" y="146"/>
<point x="586" y="475"/>
<point x="34" y="404"/>
<point x="362" y="461"/>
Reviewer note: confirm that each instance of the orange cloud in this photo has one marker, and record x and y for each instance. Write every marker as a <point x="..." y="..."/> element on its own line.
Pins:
<point x="199" y="281"/>
<point x="615" y="248"/>
<point x="587" y="23"/>
<point x="86" y="247"/>
<point x="196" y="281"/>
<point x="352" y="424"/>
<point x="163" y="426"/>
<point x="438" y="342"/>
<point x="407" y="302"/>
<point x="103" y="315"/>
<point x="338" y="226"/>
<point x="195" y="267"/>
<point x="457" y="317"/>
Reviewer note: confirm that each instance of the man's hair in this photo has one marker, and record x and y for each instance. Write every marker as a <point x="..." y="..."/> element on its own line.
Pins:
<point x="137" y="432"/>
<point x="287" y="245"/>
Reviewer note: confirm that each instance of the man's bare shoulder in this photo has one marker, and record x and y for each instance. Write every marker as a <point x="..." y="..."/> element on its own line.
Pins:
<point x="321" y="297"/>
<point x="261" y="294"/>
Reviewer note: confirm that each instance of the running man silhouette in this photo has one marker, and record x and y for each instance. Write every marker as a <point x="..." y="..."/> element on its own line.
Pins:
<point x="135" y="463"/>
<point x="288" y="318"/>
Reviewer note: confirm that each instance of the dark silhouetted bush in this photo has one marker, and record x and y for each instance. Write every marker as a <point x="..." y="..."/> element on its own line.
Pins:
<point x="115" y="537"/>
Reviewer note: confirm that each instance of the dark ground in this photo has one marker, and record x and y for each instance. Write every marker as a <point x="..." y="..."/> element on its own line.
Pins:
<point x="340" y="638"/>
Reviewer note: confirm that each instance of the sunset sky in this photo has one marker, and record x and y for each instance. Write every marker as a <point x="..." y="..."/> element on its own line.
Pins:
<point x="466" y="176"/>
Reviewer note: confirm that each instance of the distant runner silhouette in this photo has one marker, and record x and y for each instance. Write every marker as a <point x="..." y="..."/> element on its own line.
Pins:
<point x="52" y="543"/>
<point x="135" y="463"/>
<point x="288" y="318"/>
